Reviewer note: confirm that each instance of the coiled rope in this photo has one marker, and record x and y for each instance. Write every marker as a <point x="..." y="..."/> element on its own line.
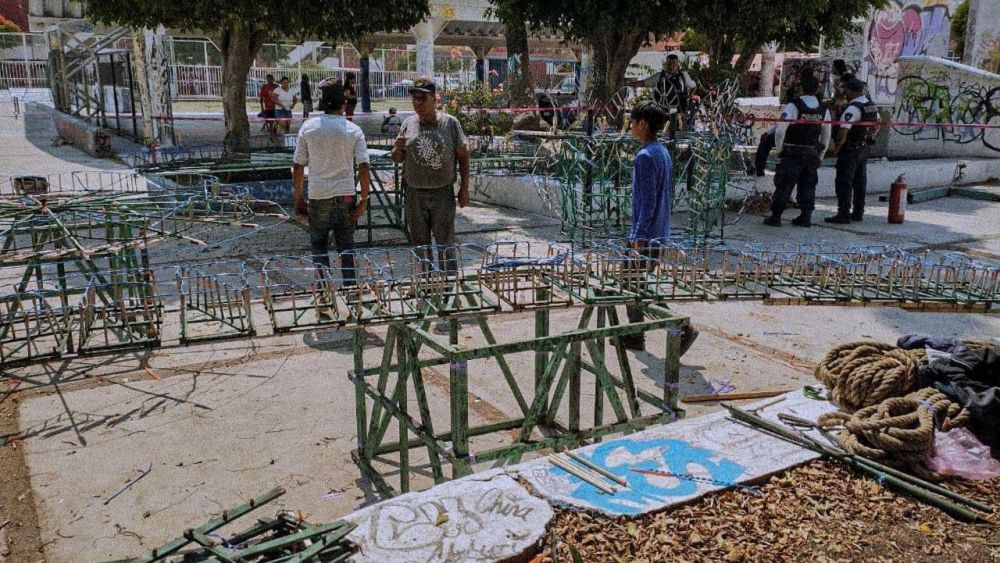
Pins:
<point x="899" y="430"/>
<point x="861" y="374"/>
<point x="887" y="419"/>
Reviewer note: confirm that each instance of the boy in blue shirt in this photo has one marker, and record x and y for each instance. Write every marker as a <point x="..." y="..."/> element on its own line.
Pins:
<point x="652" y="190"/>
<point x="652" y="176"/>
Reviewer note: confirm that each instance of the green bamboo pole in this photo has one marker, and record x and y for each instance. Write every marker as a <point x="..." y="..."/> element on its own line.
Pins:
<point x="912" y="486"/>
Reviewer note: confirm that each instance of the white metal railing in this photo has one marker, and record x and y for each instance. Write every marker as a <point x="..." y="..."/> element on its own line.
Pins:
<point x="23" y="46"/>
<point x="19" y="75"/>
<point x="199" y="82"/>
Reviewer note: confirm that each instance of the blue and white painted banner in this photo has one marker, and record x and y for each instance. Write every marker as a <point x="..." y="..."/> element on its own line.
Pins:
<point x="715" y="449"/>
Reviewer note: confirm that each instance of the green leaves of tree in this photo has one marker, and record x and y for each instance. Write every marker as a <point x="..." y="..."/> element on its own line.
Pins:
<point x="333" y="19"/>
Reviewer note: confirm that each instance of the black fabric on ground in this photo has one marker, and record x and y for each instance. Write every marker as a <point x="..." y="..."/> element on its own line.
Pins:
<point x="940" y="343"/>
<point x="972" y="379"/>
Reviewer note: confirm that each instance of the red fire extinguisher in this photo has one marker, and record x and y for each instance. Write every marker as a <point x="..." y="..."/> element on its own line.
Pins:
<point x="897" y="200"/>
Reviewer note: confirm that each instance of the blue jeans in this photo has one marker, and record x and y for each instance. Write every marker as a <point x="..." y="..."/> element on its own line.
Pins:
<point x="333" y="214"/>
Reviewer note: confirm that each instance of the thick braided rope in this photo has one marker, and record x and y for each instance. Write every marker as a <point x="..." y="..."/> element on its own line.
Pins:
<point x="979" y="344"/>
<point x="899" y="430"/>
<point x="861" y="374"/>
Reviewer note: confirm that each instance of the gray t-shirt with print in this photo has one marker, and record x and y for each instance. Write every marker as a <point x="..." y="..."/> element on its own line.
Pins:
<point x="430" y="151"/>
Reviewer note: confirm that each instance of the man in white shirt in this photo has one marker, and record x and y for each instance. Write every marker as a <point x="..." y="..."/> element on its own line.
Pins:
<point x="854" y="138"/>
<point x="330" y="145"/>
<point x="285" y="100"/>
<point x="800" y="146"/>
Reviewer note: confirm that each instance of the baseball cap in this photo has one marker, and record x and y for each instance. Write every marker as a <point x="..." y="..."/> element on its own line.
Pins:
<point x="855" y="85"/>
<point x="424" y="86"/>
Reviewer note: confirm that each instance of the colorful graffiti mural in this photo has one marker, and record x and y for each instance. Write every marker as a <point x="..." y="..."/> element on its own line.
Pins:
<point x="903" y="29"/>
<point x="941" y="100"/>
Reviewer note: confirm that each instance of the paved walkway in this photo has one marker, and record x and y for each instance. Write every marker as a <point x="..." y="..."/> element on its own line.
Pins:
<point x="32" y="147"/>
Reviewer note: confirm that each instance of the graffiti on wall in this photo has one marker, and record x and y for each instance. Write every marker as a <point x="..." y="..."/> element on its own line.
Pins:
<point x="903" y="29"/>
<point x="938" y="100"/>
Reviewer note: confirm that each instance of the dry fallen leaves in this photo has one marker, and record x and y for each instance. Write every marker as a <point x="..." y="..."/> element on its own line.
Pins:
<point x="820" y="512"/>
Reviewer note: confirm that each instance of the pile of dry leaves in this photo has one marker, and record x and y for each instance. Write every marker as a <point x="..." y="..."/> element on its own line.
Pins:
<point x="819" y="512"/>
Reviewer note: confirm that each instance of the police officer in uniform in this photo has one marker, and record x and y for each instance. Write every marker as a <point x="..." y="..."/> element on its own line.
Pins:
<point x="800" y="147"/>
<point x="852" y="147"/>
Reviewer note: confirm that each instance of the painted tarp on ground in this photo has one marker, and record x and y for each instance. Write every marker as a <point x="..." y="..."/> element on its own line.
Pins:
<point x="483" y="517"/>
<point x="714" y="448"/>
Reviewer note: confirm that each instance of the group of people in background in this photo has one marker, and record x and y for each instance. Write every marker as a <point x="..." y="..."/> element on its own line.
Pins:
<point x="434" y="152"/>
<point x="809" y="129"/>
<point x="278" y="100"/>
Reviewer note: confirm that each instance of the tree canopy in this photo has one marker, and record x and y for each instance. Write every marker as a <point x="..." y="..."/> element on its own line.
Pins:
<point x="613" y="29"/>
<point x="335" y="19"/>
<point x="725" y="28"/>
<point x="959" y="21"/>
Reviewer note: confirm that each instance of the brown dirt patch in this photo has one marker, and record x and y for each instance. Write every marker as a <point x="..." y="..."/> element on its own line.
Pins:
<point x="18" y="519"/>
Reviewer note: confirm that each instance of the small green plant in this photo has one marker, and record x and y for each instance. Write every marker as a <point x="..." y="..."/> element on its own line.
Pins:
<point x="475" y="110"/>
<point x="706" y="75"/>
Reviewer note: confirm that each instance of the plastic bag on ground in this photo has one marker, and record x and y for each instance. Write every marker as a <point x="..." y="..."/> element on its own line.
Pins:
<point x="959" y="453"/>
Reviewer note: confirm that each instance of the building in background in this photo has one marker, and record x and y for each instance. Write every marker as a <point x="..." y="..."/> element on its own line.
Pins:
<point x="16" y="11"/>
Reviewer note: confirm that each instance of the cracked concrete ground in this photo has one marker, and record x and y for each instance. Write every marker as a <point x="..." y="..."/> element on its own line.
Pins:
<point x="223" y="422"/>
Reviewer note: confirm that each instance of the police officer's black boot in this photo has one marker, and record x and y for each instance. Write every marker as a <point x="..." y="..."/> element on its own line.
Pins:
<point x="773" y="221"/>
<point x="802" y="221"/>
<point x="838" y="219"/>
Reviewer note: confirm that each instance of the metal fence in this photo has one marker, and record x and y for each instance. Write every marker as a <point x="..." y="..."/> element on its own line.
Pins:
<point x="23" y="46"/>
<point x="19" y="75"/>
<point x="23" y="60"/>
<point x="199" y="82"/>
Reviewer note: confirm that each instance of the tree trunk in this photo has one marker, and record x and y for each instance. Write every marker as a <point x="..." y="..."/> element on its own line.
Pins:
<point x="746" y="57"/>
<point x="521" y="90"/>
<point x="722" y="53"/>
<point x="239" y="46"/>
<point x="612" y="53"/>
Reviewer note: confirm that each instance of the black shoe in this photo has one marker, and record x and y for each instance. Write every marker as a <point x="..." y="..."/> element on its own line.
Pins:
<point x="838" y="219"/>
<point x="801" y="221"/>
<point x="857" y="218"/>
<point x="773" y="221"/>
